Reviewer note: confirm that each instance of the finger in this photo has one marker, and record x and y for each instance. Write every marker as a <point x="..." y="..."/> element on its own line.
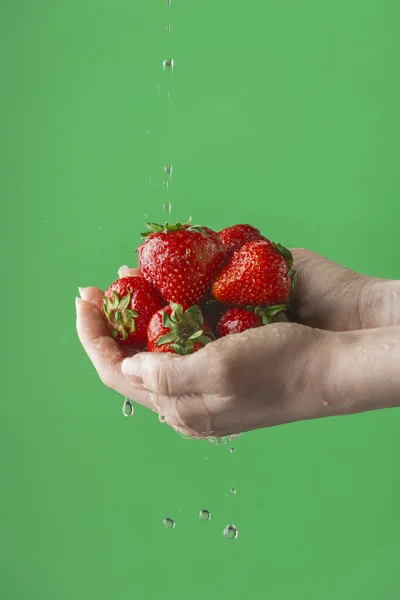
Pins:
<point x="93" y="295"/>
<point x="327" y="295"/>
<point x="125" y="271"/>
<point x="170" y="375"/>
<point x="105" y="353"/>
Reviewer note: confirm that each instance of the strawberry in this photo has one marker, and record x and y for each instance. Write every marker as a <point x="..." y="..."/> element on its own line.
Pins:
<point x="260" y="273"/>
<point x="181" y="260"/>
<point x="236" y="320"/>
<point x="173" y="329"/>
<point x="237" y="236"/>
<point x="128" y="305"/>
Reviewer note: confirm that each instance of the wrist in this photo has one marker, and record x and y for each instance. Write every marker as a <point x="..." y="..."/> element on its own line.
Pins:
<point x="364" y="370"/>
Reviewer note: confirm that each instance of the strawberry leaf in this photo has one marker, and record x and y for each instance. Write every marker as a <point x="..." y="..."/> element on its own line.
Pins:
<point x="196" y="335"/>
<point x="131" y="314"/>
<point x="125" y="301"/>
<point x="168" y="338"/>
<point x="285" y="252"/>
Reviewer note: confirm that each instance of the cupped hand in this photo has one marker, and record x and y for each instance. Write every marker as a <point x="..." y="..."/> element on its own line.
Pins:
<point x="267" y="376"/>
<point x="259" y="378"/>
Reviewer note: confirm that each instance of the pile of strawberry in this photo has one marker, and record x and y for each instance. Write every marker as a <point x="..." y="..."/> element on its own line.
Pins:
<point x="197" y="285"/>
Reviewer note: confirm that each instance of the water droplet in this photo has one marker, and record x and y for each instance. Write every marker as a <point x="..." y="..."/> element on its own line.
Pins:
<point x="99" y="227"/>
<point x="148" y="132"/>
<point x="166" y="184"/>
<point x="325" y="404"/>
<point x="232" y="450"/>
<point x="168" y="64"/>
<point x="232" y="491"/>
<point x="205" y="515"/>
<point x="127" y="408"/>
<point x="168" y="28"/>
<point x="167" y="207"/>
<point x="168" y="95"/>
<point x="231" y="532"/>
<point x="169" y="523"/>
<point x="206" y="458"/>
<point x="162" y="419"/>
<point x="148" y="180"/>
<point x="215" y="441"/>
<point x="158" y="88"/>
<point x="145" y="215"/>
<point x="168" y="169"/>
<point x="46" y="221"/>
<point x="169" y="2"/>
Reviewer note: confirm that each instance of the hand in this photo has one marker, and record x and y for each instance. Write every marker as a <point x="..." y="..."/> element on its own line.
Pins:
<point x="333" y="297"/>
<point x="276" y="374"/>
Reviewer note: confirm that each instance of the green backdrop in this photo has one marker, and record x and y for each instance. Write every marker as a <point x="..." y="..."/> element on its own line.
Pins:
<point x="284" y="114"/>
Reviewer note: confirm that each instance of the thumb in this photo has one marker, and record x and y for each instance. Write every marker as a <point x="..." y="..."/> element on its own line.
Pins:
<point x="167" y="374"/>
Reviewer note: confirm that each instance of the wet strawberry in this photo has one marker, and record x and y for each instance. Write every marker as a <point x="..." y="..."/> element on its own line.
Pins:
<point x="260" y="273"/>
<point x="237" y="319"/>
<point x="236" y="236"/>
<point x="178" y="331"/>
<point x="128" y="305"/>
<point x="181" y="261"/>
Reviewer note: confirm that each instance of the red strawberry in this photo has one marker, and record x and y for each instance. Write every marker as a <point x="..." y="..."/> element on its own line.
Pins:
<point x="236" y="320"/>
<point x="237" y="236"/>
<point x="260" y="273"/>
<point x="178" y="331"/>
<point x="181" y="261"/>
<point x="128" y="305"/>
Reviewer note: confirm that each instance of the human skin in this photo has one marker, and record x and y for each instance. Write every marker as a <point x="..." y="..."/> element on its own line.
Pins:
<point x="343" y="357"/>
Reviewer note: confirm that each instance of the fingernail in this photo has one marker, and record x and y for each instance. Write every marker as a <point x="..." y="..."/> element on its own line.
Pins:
<point x="81" y="290"/>
<point x="133" y="367"/>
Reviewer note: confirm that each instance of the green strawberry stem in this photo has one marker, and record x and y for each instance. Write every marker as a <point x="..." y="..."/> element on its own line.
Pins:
<point x="120" y="318"/>
<point x="272" y="314"/>
<point x="185" y="329"/>
<point x="169" y="227"/>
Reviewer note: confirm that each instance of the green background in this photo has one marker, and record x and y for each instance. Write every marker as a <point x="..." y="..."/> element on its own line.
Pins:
<point x="284" y="114"/>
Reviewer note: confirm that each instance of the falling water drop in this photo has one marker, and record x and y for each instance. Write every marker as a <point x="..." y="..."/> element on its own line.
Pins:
<point x="168" y="95"/>
<point x="167" y="207"/>
<point x="231" y="532"/>
<point x="168" y="28"/>
<point x="166" y="184"/>
<point x="232" y="450"/>
<point x="169" y="523"/>
<point x="162" y="419"/>
<point x="168" y="63"/>
<point x="169" y="2"/>
<point x="127" y="408"/>
<point x="168" y="170"/>
<point x="232" y="491"/>
<point x="205" y="515"/>
<point x="158" y="88"/>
